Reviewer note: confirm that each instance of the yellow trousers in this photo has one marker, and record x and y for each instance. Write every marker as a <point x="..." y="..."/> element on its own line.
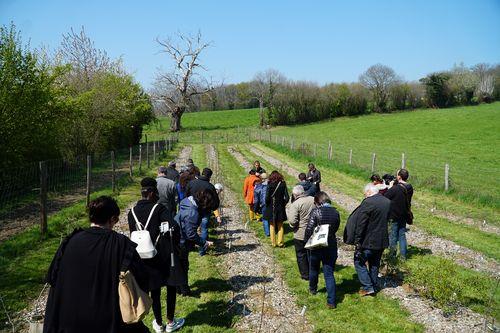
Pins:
<point x="277" y="226"/>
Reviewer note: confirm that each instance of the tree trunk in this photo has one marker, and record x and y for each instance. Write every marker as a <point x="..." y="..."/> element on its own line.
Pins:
<point x="175" y="121"/>
<point x="261" y="112"/>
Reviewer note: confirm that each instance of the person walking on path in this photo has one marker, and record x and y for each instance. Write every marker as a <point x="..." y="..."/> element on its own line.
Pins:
<point x="172" y="172"/>
<point x="167" y="191"/>
<point x="260" y="201"/>
<point x="400" y="195"/>
<point x="76" y="303"/>
<point x="314" y="176"/>
<point x="191" y="209"/>
<point x="198" y="184"/>
<point x="258" y="169"/>
<point x="276" y="199"/>
<point x="370" y="237"/>
<point x="298" y="214"/>
<point x="324" y="213"/>
<point x="248" y="193"/>
<point x="309" y="188"/>
<point x="148" y="215"/>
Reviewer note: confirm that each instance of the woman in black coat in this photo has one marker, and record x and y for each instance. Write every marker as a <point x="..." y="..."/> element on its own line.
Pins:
<point x="165" y="268"/>
<point x="324" y="213"/>
<point x="84" y="276"/>
<point x="276" y="199"/>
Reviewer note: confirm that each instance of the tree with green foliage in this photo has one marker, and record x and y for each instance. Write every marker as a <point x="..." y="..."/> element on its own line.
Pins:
<point x="31" y="110"/>
<point x="437" y="91"/>
<point x="379" y="79"/>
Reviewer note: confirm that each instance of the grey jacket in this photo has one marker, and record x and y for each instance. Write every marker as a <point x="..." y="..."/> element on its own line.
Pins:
<point x="168" y="194"/>
<point x="298" y="215"/>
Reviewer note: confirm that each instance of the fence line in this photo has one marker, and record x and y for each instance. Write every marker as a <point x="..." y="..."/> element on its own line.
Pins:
<point x="38" y="188"/>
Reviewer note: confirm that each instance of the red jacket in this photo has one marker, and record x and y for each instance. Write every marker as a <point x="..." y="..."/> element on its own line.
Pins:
<point x="248" y="187"/>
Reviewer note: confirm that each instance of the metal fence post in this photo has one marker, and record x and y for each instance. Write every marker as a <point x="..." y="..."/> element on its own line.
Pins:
<point x="43" y="198"/>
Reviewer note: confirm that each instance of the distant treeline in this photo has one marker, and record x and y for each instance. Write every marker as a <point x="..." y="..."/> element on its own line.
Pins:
<point x="379" y="89"/>
<point x="77" y="101"/>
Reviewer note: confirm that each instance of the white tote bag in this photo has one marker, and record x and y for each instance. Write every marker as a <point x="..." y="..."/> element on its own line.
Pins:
<point x="319" y="238"/>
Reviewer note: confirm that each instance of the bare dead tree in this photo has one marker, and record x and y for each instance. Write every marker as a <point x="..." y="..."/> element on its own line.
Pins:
<point x="178" y="86"/>
<point x="378" y="79"/>
<point x="85" y="60"/>
<point x="264" y="87"/>
<point x="485" y="82"/>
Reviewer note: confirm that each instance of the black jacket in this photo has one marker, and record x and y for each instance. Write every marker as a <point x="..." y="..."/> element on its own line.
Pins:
<point x="202" y="183"/>
<point x="399" y="205"/>
<point x="324" y="215"/>
<point x="276" y="212"/>
<point x="160" y="270"/>
<point x="310" y="189"/>
<point x="371" y="223"/>
<point x="84" y="282"/>
<point x="173" y="174"/>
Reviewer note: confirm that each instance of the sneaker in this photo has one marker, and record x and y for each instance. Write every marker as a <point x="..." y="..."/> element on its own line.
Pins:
<point x="174" y="325"/>
<point x="157" y="328"/>
<point x="363" y="292"/>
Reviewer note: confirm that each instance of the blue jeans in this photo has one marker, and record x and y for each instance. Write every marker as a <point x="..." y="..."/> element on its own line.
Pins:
<point x="368" y="276"/>
<point x="265" y="223"/>
<point x="398" y="234"/>
<point x="204" y="232"/>
<point x="327" y="256"/>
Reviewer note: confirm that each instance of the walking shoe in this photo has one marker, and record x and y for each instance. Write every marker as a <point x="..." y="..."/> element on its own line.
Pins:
<point x="331" y="306"/>
<point x="174" y="325"/>
<point x="313" y="292"/>
<point x="363" y="292"/>
<point x="157" y="328"/>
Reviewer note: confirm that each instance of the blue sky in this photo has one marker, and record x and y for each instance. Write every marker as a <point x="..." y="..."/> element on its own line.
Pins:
<point x="321" y="41"/>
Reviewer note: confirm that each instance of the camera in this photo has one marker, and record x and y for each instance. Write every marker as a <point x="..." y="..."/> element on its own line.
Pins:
<point x="164" y="227"/>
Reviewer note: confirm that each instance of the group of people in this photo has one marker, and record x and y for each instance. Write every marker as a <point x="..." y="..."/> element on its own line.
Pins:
<point x="377" y="223"/>
<point x="84" y="274"/>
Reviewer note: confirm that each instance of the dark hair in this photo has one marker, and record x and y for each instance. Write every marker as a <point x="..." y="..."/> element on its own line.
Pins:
<point x="148" y="185"/>
<point x="252" y="172"/>
<point x="403" y="173"/>
<point x="162" y="170"/>
<point x="102" y="209"/>
<point x="207" y="172"/>
<point x="194" y="171"/>
<point x="256" y="162"/>
<point x="311" y="165"/>
<point x="321" y="198"/>
<point x="204" y="199"/>
<point x="376" y="178"/>
<point x="190" y="161"/>
<point x="184" y="178"/>
<point x="388" y="178"/>
<point x="302" y="176"/>
<point x="275" y="177"/>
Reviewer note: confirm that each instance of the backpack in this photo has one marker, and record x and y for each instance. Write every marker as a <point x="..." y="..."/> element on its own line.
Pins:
<point x="142" y="238"/>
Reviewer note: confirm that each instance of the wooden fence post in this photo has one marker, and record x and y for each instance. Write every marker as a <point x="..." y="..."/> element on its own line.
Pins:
<point x="130" y="161"/>
<point x="403" y="161"/>
<point x="282" y="141"/>
<point x="113" y="171"/>
<point x="291" y="145"/>
<point x="270" y="137"/>
<point x="201" y="136"/>
<point x="446" y="177"/>
<point x="154" y="151"/>
<point x="89" y="174"/>
<point x="330" y="150"/>
<point x="43" y="197"/>
<point x="315" y="149"/>
<point x="350" y="157"/>
<point x="140" y="159"/>
<point x="147" y="154"/>
<point x="374" y="156"/>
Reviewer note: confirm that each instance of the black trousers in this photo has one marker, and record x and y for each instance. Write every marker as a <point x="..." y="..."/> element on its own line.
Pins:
<point x="171" y="299"/>
<point x="184" y="259"/>
<point x="302" y="260"/>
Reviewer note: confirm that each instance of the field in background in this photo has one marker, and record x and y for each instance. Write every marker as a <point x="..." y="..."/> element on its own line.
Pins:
<point x="465" y="137"/>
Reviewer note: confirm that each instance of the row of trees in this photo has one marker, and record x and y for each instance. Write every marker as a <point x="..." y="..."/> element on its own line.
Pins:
<point x="77" y="101"/>
<point x="379" y="89"/>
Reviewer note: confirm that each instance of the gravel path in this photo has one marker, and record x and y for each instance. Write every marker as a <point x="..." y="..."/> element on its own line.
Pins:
<point x="416" y="237"/>
<point x="421" y="309"/>
<point x="265" y="303"/>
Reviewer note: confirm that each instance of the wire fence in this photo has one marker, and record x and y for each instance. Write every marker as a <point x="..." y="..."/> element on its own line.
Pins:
<point x="31" y="192"/>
